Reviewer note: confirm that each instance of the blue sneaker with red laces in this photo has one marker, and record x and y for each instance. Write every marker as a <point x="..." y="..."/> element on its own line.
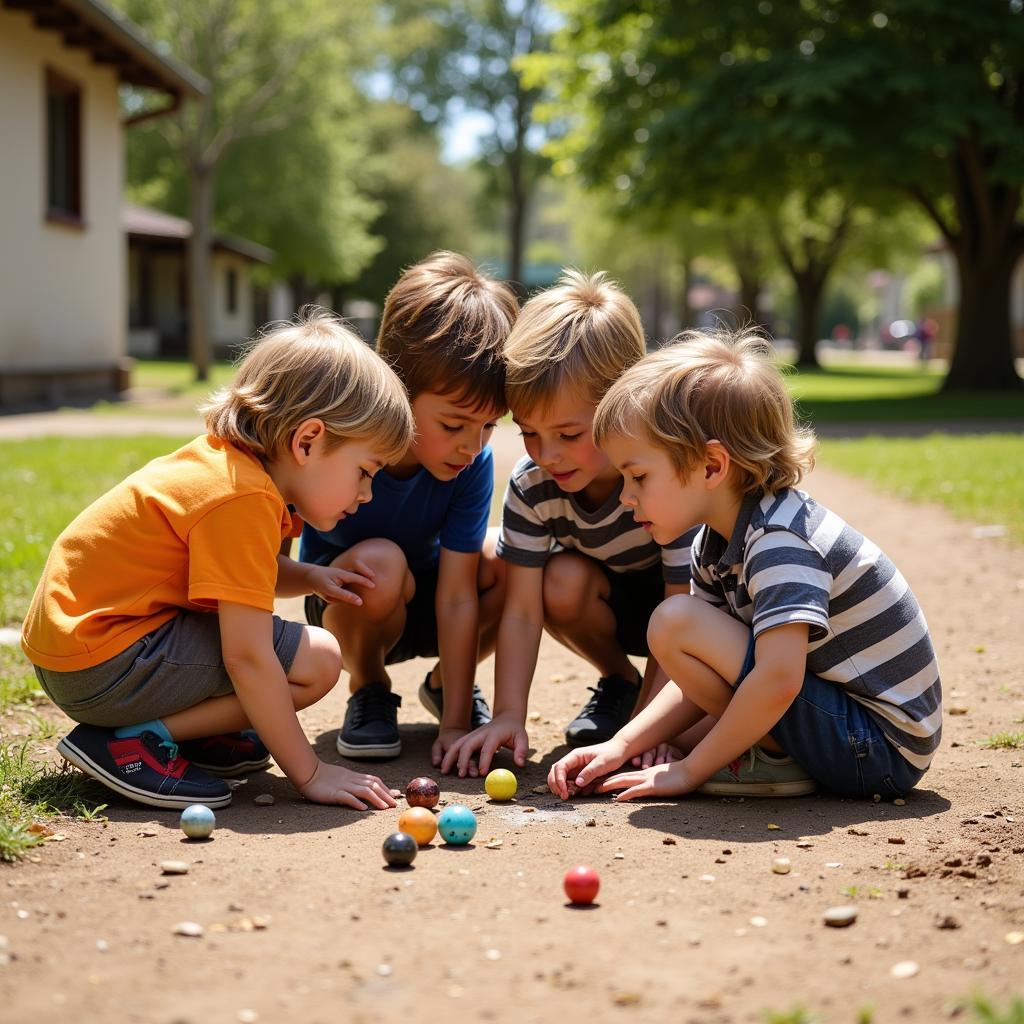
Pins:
<point x="227" y="754"/>
<point x="144" y="768"/>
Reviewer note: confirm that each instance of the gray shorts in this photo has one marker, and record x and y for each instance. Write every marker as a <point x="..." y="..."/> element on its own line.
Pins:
<point x="175" y="667"/>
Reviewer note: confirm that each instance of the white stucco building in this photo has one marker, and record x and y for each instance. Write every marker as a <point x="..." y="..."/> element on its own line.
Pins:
<point x="63" y="253"/>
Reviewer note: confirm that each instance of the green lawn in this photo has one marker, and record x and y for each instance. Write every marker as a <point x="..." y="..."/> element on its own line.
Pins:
<point x="859" y="394"/>
<point x="976" y="476"/>
<point x="44" y="484"/>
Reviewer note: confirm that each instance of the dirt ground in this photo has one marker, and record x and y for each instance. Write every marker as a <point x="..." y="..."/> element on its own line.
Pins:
<point x="303" y="922"/>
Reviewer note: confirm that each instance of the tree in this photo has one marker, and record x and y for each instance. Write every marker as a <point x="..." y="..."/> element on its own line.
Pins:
<point x="273" y="150"/>
<point x="881" y="101"/>
<point x="457" y="55"/>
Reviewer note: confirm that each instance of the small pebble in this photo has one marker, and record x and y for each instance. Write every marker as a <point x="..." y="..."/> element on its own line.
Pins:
<point x="174" y="867"/>
<point x="781" y="866"/>
<point x="706" y="878"/>
<point x="539" y="790"/>
<point x="840" y="917"/>
<point x="904" y="969"/>
<point x="1014" y="938"/>
<point x="248" y="1016"/>
<point x="263" y="800"/>
<point x="188" y="928"/>
<point x="758" y="921"/>
<point x="493" y="954"/>
<point x="384" y="970"/>
<point x="620" y="856"/>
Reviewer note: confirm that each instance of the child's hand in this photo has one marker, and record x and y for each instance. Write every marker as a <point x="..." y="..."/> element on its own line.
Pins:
<point x="581" y="766"/>
<point x="663" y="753"/>
<point x="661" y="780"/>
<point x="446" y="739"/>
<point x="332" y="784"/>
<point x="504" y="731"/>
<point x="330" y="582"/>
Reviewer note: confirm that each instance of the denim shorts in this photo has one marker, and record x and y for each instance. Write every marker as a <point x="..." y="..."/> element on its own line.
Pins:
<point x="839" y="742"/>
<point x="419" y="637"/>
<point x="175" y="667"/>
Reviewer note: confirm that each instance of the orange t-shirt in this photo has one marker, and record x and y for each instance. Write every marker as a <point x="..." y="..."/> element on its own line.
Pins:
<point x="201" y="525"/>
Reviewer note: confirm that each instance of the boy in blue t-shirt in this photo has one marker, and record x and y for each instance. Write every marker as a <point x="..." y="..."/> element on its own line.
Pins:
<point x="438" y="585"/>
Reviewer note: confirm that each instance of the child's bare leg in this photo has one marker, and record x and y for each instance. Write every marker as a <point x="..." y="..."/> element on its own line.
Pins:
<point x="490" y="581"/>
<point x="700" y="647"/>
<point x="312" y="676"/>
<point x="576" y="613"/>
<point x="368" y="631"/>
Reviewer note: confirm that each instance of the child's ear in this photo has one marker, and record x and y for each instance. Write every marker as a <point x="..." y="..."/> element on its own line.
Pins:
<point x="716" y="465"/>
<point x="305" y="436"/>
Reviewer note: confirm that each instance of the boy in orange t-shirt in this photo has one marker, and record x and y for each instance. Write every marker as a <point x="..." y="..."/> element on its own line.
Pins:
<point x="153" y="623"/>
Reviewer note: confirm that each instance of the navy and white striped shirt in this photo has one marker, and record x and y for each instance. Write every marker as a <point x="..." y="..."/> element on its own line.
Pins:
<point x="791" y="560"/>
<point x="539" y="518"/>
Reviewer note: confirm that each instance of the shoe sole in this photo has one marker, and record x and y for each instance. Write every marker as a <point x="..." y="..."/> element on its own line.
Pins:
<point x="427" y="701"/>
<point x="229" y="772"/>
<point x="800" y="787"/>
<point x="81" y="761"/>
<point x="368" y="752"/>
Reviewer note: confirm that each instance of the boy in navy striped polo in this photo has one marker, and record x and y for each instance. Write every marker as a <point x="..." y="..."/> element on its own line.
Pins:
<point x="801" y="655"/>
<point x="578" y="565"/>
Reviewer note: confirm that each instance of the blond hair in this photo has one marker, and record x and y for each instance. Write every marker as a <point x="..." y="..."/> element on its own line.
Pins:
<point x="579" y="335"/>
<point x="443" y="328"/>
<point x="312" y="367"/>
<point x="712" y="386"/>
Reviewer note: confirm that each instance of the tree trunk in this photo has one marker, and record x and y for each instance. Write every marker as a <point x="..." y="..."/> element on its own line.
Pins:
<point x="983" y="347"/>
<point x="750" y="293"/>
<point x="810" y="287"/>
<point x="685" y="309"/>
<point x="200" y="285"/>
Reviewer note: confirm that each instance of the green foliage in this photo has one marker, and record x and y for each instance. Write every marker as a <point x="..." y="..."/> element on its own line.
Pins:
<point x="44" y="484"/>
<point x="284" y="126"/>
<point x="797" y="1015"/>
<point x="1004" y="741"/>
<point x="985" y="1011"/>
<point x="976" y="476"/>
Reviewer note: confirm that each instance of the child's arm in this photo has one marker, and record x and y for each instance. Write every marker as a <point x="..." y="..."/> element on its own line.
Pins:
<point x="757" y="705"/>
<point x="522" y="622"/>
<point x="458" y="636"/>
<point x="247" y="647"/>
<point x="296" y="579"/>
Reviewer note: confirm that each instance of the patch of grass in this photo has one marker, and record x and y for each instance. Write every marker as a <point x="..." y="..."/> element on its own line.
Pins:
<point x="1004" y="741"/>
<point x="44" y="484"/>
<point x="18" y="683"/>
<point x="31" y="789"/>
<point x="976" y="476"/>
<point x="986" y="1012"/>
<point x="797" y="1015"/>
<point x="863" y="393"/>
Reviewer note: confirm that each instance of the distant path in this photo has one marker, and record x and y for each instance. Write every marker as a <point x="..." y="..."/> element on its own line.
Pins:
<point x="918" y="428"/>
<point x="82" y="423"/>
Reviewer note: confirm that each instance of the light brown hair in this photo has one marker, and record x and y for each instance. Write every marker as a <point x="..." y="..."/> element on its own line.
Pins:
<point x="312" y="367"/>
<point x="712" y="386"/>
<point x="443" y="329"/>
<point x="579" y="335"/>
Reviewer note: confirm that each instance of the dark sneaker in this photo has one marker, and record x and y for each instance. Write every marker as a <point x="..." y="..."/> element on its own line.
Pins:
<point x="228" y="754"/>
<point x="370" y="729"/>
<point x="605" y="713"/>
<point x="759" y="774"/>
<point x="433" y="701"/>
<point x="143" y="768"/>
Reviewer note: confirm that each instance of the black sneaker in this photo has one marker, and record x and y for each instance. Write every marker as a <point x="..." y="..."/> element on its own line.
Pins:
<point x="433" y="701"/>
<point x="143" y="768"/>
<point x="370" y="729"/>
<point x="605" y="713"/>
<point x="228" y="754"/>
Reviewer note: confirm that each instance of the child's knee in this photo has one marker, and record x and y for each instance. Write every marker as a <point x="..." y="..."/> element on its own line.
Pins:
<point x="567" y="583"/>
<point x="669" y="623"/>
<point x="390" y="575"/>
<point x="324" y="662"/>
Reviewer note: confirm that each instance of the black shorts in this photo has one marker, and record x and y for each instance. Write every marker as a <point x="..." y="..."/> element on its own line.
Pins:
<point x="633" y="597"/>
<point x="419" y="638"/>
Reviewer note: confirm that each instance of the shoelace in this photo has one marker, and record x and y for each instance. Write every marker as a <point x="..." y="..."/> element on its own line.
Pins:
<point x="604" y="702"/>
<point x="372" y="703"/>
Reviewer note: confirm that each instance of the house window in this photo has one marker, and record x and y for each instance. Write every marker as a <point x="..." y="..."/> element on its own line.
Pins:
<point x="232" y="290"/>
<point x="63" y="148"/>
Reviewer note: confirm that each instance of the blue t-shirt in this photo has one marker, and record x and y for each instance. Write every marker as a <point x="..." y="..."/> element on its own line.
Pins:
<point x="421" y="515"/>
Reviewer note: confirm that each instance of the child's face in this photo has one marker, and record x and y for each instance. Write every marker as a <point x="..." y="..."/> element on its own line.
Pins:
<point x="332" y="485"/>
<point x="449" y="434"/>
<point x="558" y="438"/>
<point x="663" y="501"/>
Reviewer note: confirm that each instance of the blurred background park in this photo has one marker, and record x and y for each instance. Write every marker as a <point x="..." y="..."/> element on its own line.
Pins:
<point x="845" y="174"/>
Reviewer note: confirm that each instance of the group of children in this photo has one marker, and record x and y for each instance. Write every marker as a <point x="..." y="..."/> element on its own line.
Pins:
<point x="655" y="514"/>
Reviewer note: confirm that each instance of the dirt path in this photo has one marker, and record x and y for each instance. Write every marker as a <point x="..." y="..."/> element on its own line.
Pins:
<point x="302" y="922"/>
